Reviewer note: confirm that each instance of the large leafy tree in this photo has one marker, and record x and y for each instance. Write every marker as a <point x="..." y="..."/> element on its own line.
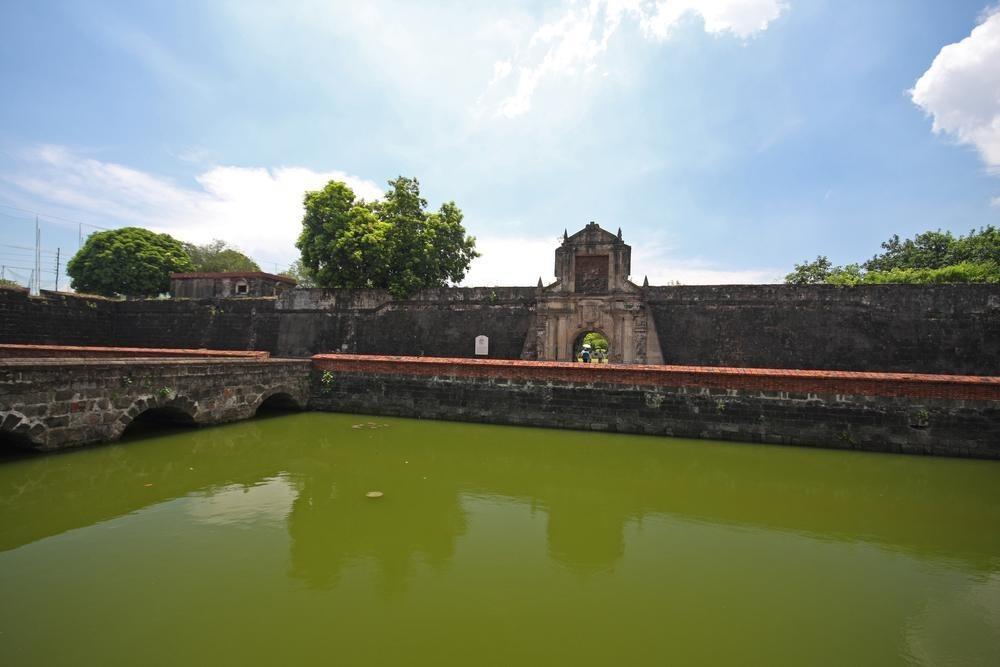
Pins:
<point x="930" y="257"/>
<point x="130" y="261"/>
<point x="218" y="256"/>
<point x="393" y="243"/>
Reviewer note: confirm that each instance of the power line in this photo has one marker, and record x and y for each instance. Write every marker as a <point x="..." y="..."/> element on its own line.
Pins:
<point x="24" y="247"/>
<point x="53" y="217"/>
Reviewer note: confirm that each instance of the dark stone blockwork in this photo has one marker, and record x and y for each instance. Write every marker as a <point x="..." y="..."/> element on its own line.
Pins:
<point x="49" y="404"/>
<point x="881" y="414"/>
<point x="929" y="329"/>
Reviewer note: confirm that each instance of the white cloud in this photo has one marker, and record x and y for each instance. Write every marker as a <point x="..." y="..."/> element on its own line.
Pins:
<point x="257" y="209"/>
<point x="742" y="18"/>
<point x="653" y="259"/>
<point x="574" y="42"/>
<point x="523" y="260"/>
<point x="961" y="90"/>
<point x="260" y="211"/>
<point x="512" y="261"/>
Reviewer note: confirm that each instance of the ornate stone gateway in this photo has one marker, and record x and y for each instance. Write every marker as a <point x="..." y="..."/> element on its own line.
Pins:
<point x="592" y="292"/>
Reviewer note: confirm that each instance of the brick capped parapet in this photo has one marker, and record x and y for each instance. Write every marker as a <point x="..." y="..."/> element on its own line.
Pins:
<point x="89" y="352"/>
<point x="702" y="377"/>
<point x="945" y="415"/>
<point x="55" y="403"/>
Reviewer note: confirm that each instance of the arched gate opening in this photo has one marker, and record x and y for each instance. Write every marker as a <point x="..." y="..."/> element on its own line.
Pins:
<point x="595" y="343"/>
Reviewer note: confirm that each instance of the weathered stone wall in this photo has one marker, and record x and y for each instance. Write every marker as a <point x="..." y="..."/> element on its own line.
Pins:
<point x="12" y="351"/>
<point x="220" y="324"/>
<point x="918" y="328"/>
<point x="54" y="317"/>
<point x="927" y="329"/>
<point x="51" y="404"/>
<point x="55" y="403"/>
<point x="443" y="322"/>
<point x="942" y="415"/>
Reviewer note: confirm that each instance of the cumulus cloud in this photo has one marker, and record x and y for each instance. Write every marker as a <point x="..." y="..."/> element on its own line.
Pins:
<point x="260" y="210"/>
<point x="513" y="261"/>
<point x="523" y="260"/>
<point x="257" y="209"/>
<point x="961" y="90"/>
<point x="575" y="40"/>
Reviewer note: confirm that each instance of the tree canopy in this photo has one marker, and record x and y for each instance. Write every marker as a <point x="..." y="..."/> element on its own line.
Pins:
<point x="392" y="243"/>
<point x="930" y="257"/>
<point x="130" y="261"/>
<point x="300" y="274"/>
<point x="596" y="340"/>
<point x="218" y="256"/>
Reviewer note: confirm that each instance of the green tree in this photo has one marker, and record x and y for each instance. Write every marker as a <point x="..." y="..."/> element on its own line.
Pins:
<point x="300" y="274"/>
<point x="218" y="256"/>
<point x="930" y="257"/>
<point x="930" y="250"/>
<point x="810" y="273"/>
<point x="596" y="341"/>
<point x="130" y="261"/>
<point x="393" y="243"/>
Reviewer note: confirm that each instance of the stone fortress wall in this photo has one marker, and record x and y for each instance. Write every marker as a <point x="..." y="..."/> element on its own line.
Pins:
<point x="890" y="328"/>
<point x="887" y="328"/>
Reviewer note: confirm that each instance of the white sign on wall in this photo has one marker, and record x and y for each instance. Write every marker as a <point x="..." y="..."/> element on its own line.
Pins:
<point x="482" y="346"/>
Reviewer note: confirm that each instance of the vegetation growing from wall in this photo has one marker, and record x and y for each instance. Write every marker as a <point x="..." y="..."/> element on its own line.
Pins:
<point x="218" y="256"/>
<point x="130" y="261"/>
<point x="931" y="257"/>
<point x="393" y="243"/>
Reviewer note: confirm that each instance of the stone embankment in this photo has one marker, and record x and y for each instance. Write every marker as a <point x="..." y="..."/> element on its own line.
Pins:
<point x="82" y="395"/>
<point x="887" y="412"/>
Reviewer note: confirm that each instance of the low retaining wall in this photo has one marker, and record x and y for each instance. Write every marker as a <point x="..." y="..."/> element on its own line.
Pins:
<point x="81" y="352"/>
<point x="48" y="404"/>
<point x="889" y="412"/>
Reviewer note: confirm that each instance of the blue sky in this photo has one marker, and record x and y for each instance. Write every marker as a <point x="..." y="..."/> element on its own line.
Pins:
<point x="729" y="139"/>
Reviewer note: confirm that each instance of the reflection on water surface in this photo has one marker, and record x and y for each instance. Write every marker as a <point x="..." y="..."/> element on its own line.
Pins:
<point x="255" y="542"/>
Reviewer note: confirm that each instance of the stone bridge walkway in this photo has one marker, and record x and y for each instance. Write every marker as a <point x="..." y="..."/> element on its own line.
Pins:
<point x="48" y="404"/>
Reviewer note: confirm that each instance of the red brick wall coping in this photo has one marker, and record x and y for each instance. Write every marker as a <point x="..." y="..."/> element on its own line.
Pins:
<point x="232" y="274"/>
<point x="104" y="363"/>
<point x="758" y="379"/>
<point x="72" y="351"/>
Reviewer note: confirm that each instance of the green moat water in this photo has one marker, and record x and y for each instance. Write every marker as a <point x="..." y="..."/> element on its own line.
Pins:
<point x="255" y="544"/>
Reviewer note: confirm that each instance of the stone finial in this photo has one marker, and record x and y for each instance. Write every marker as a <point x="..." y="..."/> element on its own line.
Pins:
<point x="645" y="281"/>
<point x="540" y="282"/>
<point x="619" y="233"/>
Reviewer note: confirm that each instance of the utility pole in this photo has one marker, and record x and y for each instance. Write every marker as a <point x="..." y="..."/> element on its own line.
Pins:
<point x="57" y="268"/>
<point x="37" y="272"/>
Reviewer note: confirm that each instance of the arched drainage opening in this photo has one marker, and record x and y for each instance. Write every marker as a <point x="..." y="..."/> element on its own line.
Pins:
<point x="278" y="403"/>
<point x="15" y="446"/>
<point x="592" y="347"/>
<point x="158" y="421"/>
